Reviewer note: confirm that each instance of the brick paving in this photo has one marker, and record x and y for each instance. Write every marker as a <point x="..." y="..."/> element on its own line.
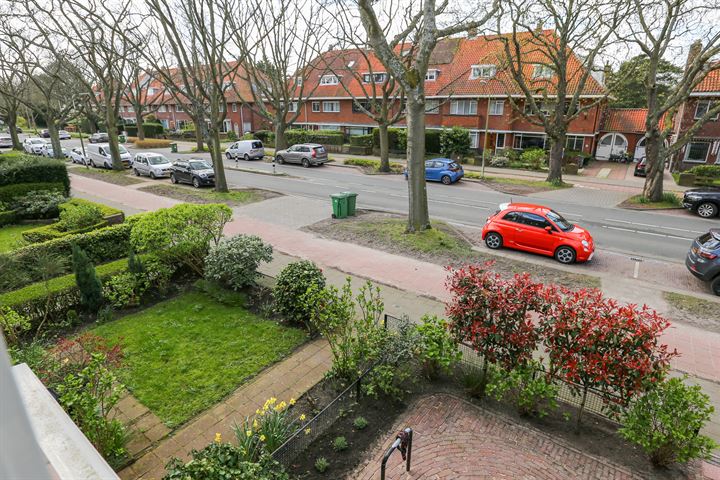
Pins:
<point x="454" y="439"/>
<point x="285" y="380"/>
<point x="144" y="427"/>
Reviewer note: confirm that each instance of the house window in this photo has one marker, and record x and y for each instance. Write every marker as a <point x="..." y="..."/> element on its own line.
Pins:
<point x="497" y="107"/>
<point x="298" y="81"/>
<point x="500" y="140"/>
<point x="463" y="107"/>
<point x="151" y="91"/>
<point x="432" y="107"/>
<point x="315" y="106"/>
<point x="130" y="109"/>
<point x="574" y="143"/>
<point x="431" y="75"/>
<point x="521" y="141"/>
<point x="374" y="77"/>
<point x="162" y="109"/>
<point x="351" y="64"/>
<point x="482" y="71"/>
<point x="234" y="107"/>
<point x="332" y="107"/>
<point x="329" y="80"/>
<point x="328" y="127"/>
<point x="697" y="152"/>
<point x="545" y="108"/>
<point x="292" y="108"/>
<point x="542" y="71"/>
<point x="702" y="107"/>
<point x="474" y="139"/>
<point x="179" y="108"/>
<point x="359" y="105"/>
<point x="227" y="84"/>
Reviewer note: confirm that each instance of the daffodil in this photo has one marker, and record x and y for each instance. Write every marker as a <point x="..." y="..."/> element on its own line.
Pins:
<point x="307" y="431"/>
<point x="302" y="417"/>
<point x="262" y="438"/>
<point x="255" y="424"/>
<point x="292" y="401"/>
<point x="218" y="438"/>
<point x="248" y="433"/>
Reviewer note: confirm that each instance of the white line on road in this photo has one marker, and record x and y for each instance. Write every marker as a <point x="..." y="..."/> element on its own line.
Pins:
<point x="684" y="239"/>
<point x="649" y="225"/>
<point x="458" y="224"/>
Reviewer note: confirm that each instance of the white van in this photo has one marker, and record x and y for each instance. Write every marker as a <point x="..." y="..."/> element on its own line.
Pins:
<point x="245" y="149"/>
<point x="99" y="155"/>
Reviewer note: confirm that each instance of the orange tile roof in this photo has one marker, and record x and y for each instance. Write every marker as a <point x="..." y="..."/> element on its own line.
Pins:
<point x="628" y="120"/>
<point x="711" y="82"/>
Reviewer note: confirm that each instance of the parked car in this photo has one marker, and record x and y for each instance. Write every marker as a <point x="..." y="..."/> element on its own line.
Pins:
<point x="537" y="229"/>
<point x="196" y="172"/>
<point x="47" y="151"/>
<point x="64" y="135"/>
<point x="154" y="165"/>
<point x="441" y="170"/>
<point x="99" y="137"/>
<point x="99" y="155"/>
<point x="45" y="133"/>
<point x="703" y="201"/>
<point x="6" y="141"/>
<point x="245" y="149"/>
<point x="640" y="168"/>
<point x="703" y="259"/>
<point x="76" y="155"/>
<point x="306" y="154"/>
<point x="33" y="145"/>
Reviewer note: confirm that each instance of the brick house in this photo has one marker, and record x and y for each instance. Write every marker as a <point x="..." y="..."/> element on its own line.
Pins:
<point x="704" y="147"/>
<point x="464" y="86"/>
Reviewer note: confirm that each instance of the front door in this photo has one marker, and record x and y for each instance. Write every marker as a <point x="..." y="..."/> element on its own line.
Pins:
<point x="431" y="170"/>
<point x="611" y="144"/>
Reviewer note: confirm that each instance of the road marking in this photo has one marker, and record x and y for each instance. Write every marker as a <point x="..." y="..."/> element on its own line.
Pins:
<point x="650" y="225"/>
<point x="684" y="239"/>
<point x="474" y="227"/>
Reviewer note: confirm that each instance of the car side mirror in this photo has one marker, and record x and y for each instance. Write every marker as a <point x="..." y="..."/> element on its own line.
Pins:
<point x="548" y="229"/>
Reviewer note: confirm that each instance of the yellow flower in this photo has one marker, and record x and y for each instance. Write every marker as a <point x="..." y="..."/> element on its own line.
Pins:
<point x="280" y="407"/>
<point x="307" y="431"/>
<point x="248" y="433"/>
<point x="258" y="412"/>
<point x="218" y="438"/>
<point x="292" y="401"/>
<point x="262" y="438"/>
<point x="302" y="417"/>
<point x="255" y="424"/>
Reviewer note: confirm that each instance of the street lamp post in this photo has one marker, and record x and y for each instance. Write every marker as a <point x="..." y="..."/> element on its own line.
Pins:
<point x="487" y="120"/>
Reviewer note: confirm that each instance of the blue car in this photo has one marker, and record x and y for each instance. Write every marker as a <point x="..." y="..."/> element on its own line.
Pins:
<point x="441" y="170"/>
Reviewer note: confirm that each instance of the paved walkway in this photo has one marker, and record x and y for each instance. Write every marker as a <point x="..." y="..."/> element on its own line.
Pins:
<point x="287" y="379"/>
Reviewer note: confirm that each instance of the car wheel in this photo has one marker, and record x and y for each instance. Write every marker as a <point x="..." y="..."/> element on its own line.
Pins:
<point x="707" y="210"/>
<point x="92" y="164"/>
<point x="172" y="178"/>
<point x="137" y="174"/>
<point x="228" y="156"/>
<point x="565" y="255"/>
<point x="246" y="157"/>
<point x="715" y="286"/>
<point x="105" y="165"/>
<point x="280" y="160"/>
<point x="305" y="163"/>
<point x="493" y="240"/>
<point x="446" y="180"/>
<point x="152" y="175"/>
<point x="196" y="183"/>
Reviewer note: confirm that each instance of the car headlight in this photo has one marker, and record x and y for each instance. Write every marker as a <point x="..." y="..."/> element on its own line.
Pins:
<point x="203" y="175"/>
<point x="585" y="243"/>
<point x="692" y="198"/>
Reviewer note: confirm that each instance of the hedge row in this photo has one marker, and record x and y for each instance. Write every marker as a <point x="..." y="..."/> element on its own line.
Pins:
<point x="361" y="140"/>
<point x="323" y="137"/>
<point x="31" y="300"/>
<point x="712" y="171"/>
<point x="397" y="140"/>
<point x="150" y="129"/>
<point x="30" y="169"/>
<point x="8" y="193"/>
<point x="7" y="218"/>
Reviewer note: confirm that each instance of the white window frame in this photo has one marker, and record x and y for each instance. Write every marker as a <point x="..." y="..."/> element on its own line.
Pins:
<point x="575" y="140"/>
<point x="708" y="105"/>
<point x="432" y="107"/>
<point x="292" y="108"/>
<point x="482" y="71"/>
<point x="329" y="80"/>
<point x="541" y="71"/>
<point x="497" y="140"/>
<point x="298" y="81"/>
<point x="179" y="108"/>
<point x="474" y="139"/>
<point x="162" y="109"/>
<point x="494" y="110"/>
<point x="234" y="107"/>
<point x="151" y="91"/>
<point x="373" y="77"/>
<point x="315" y="107"/>
<point x="519" y="136"/>
<point x="687" y="151"/>
<point x="326" y="106"/>
<point x="469" y="107"/>
<point x="130" y="109"/>
<point x="432" y="75"/>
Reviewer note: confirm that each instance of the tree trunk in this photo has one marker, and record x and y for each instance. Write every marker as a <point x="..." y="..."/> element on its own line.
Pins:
<point x="418" y="215"/>
<point x="53" y="128"/>
<point x="384" y="147"/>
<point x="199" y="141"/>
<point x="280" y="139"/>
<point x="139" y="122"/>
<point x="217" y="159"/>
<point x="12" y="124"/>
<point x="113" y="140"/>
<point x="580" y="410"/>
<point x="557" y="148"/>
<point x="653" y="189"/>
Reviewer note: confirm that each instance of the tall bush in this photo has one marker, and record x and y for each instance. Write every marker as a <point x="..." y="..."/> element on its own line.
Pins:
<point x="454" y="142"/>
<point x="292" y="283"/>
<point x="534" y="158"/>
<point x="438" y="349"/>
<point x="88" y="283"/>
<point x="234" y="262"/>
<point x="32" y="169"/>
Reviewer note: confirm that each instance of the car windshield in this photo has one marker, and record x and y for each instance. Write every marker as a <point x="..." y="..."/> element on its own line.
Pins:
<point x="37" y="140"/>
<point x="157" y="160"/>
<point x="558" y="220"/>
<point x="122" y="149"/>
<point x="199" y="165"/>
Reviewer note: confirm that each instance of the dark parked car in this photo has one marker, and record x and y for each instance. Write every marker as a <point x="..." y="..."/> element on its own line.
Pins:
<point x="195" y="172"/>
<point x="640" y="168"/>
<point x="99" y="137"/>
<point x="45" y="133"/>
<point x="703" y="259"/>
<point x="703" y="201"/>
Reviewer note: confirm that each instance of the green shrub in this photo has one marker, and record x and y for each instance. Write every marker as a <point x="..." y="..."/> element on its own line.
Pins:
<point x="7" y="217"/>
<point x="75" y="217"/>
<point x="454" y="142"/>
<point x="361" y="140"/>
<point x="324" y="137"/>
<point x="91" y="296"/>
<point x="666" y="422"/>
<point x="321" y="465"/>
<point x="527" y="388"/>
<point x="432" y="141"/>
<point x="33" y="169"/>
<point x="360" y="423"/>
<point x="393" y="141"/>
<point x="264" y="135"/>
<point x="340" y="444"/>
<point x="712" y="171"/>
<point x="292" y="283"/>
<point x="534" y="157"/>
<point x="223" y="461"/>
<point x="232" y="136"/>
<point x="124" y="289"/>
<point x="272" y="425"/>
<point x="438" y="349"/>
<point x="8" y="193"/>
<point x="106" y="210"/>
<point x="38" y="204"/>
<point x="234" y="262"/>
<point x="13" y="325"/>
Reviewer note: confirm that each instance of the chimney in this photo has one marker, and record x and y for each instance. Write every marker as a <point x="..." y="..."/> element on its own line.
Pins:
<point x="472" y="33"/>
<point x="539" y="26"/>
<point x="607" y="73"/>
<point x="694" y="51"/>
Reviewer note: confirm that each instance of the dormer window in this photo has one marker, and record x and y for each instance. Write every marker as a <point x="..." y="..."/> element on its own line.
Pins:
<point x="329" y="80"/>
<point x="298" y="81"/>
<point x="542" y="71"/>
<point x="482" y="71"/>
<point x="374" y="77"/>
<point x="351" y="64"/>
<point x="431" y="75"/>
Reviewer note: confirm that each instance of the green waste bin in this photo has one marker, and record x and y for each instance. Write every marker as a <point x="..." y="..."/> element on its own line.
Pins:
<point x="121" y="138"/>
<point x="351" y="200"/>
<point x="339" y="205"/>
<point x="173" y="147"/>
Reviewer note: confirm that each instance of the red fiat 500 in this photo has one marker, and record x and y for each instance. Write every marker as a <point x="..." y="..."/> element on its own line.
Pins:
<point x="537" y="229"/>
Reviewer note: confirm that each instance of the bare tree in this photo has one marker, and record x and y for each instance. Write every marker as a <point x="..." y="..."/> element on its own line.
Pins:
<point x="13" y="87"/>
<point x="656" y="28"/>
<point x="552" y="70"/>
<point x="276" y="41"/>
<point x="406" y="56"/>
<point x="137" y="92"/>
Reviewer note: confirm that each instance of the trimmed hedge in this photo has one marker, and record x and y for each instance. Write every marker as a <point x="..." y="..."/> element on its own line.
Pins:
<point x="8" y="193"/>
<point x="150" y="129"/>
<point x="712" y="171"/>
<point x="30" y="169"/>
<point x="397" y="142"/>
<point x="432" y="141"/>
<point x="106" y="210"/>
<point x="264" y="136"/>
<point x="394" y="135"/>
<point x="323" y="137"/>
<point x="361" y="140"/>
<point x="7" y="218"/>
<point x="31" y="300"/>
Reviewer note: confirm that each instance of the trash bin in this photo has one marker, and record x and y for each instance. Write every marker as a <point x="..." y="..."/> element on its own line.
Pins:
<point x="122" y="138"/>
<point x="351" y="200"/>
<point x="173" y="147"/>
<point x="339" y="205"/>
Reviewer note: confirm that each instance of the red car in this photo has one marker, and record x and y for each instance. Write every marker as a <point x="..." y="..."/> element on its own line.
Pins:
<point x="537" y="229"/>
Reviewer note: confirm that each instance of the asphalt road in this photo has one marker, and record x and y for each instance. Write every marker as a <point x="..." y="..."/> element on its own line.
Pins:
<point x="636" y="233"/>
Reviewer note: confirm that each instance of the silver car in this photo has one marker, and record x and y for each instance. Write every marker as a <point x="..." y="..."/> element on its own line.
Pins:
<point x="5" y="141"/>
<point x="306" y="154"/>
<point x="76" y="155"/>
<point x="154" y="165"/>
<point x="33" y="145"/>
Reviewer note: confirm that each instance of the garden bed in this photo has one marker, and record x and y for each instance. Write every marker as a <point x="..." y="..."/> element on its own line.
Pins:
<point x="234" y="197"/>
<point x="187" y="353"/>
<point x="637" y="202"/>
<point x="116" y="177"/>
<point x="443" y="245"/>
<point x="11" y="236"/>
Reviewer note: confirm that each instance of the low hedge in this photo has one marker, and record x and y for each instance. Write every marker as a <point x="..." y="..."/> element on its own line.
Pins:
<point x="323" y="137"/>
<point x="712" y="171"/>
<point x="264" y="136"/>
<point x="31" y="300"/>
<point x="361" y="140"/>
<point x="7" y="218"/>
<point x="55" y="230"/>
<point x="8" y="193"/>
<point x="31" y="169"/>
<point x="150" y="129"/>
<point x="153" y="143"/>
<point x="106" y="210"/>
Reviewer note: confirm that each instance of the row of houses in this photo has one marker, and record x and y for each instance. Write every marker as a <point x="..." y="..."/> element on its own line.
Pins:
<point x="464" y="87"/>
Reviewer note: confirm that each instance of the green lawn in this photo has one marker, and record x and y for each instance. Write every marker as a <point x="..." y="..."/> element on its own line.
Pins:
<point x="208" y="195"/>
<point x="517" y="181"/>
<point x="669" y="200"/>
<point x="10" y="235"/>
<point x="693" y="305"/>
<point x="185" y="354"/>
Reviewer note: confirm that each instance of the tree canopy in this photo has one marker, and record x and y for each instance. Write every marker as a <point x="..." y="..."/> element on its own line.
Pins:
<point x="628" y="83"/>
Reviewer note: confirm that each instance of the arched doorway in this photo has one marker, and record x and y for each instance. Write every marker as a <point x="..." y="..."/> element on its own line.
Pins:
<point x="611" y="144"/>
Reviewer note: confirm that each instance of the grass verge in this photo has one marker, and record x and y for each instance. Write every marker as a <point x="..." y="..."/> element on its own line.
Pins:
<point x="371" y="166"/>
<point x="669" y="200"/>
<point x="116" y="177"/>
<point x="693" y="305"/>
<point x="186" y="194"/>
<point x="186" y="354"/>
<point x="11" y="235"/>
<point x="538" y="184"/>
